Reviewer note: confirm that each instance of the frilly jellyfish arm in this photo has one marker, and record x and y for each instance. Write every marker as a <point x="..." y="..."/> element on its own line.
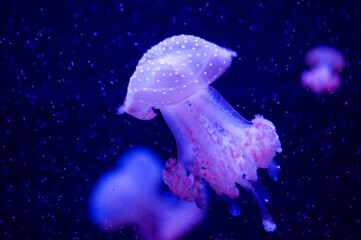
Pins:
<point x="215" y="144"/>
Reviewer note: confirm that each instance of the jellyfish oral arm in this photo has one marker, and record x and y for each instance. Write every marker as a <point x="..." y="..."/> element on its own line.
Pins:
<point x="321" y="79"/>
<point x="217" y="145"/>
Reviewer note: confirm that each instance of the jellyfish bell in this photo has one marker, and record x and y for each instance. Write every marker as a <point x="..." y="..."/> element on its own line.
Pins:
<point x="215" y="143"/>
<point x="327" y="56"/>
<point x="172" y="71"/>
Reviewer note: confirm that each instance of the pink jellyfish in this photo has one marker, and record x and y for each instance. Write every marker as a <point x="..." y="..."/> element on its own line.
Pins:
<point x="325" y="63"/>
<point x="215" y="144"/>
<point x="130" y="195"/>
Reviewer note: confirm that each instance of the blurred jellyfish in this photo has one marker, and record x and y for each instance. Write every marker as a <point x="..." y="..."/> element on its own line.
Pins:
<point x="325" y="63"/>
<point x="215" y="144"/>
<point x="130" y="195"/>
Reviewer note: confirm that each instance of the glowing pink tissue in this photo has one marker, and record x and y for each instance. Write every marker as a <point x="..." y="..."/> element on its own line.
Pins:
<point x="215" y="144"/>
<point x="325" y="63"/>
<point x="130" y="196"/>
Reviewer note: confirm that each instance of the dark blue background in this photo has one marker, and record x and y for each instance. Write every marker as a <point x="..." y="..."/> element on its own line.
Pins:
<point x="64" y="69"/>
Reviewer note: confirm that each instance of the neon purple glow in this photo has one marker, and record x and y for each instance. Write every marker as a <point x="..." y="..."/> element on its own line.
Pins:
<point x="215" y="144"/>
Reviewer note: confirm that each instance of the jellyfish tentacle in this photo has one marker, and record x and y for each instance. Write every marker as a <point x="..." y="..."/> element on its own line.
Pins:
<point x="232" y="204"/>
<point x="261" y="191"/>
<point x="267" y="220"/>
<point x="273" y="170"/>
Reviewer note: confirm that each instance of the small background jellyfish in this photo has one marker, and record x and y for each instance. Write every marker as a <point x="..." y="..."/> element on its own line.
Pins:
<point x="130" y="196"/>
<point x="65" y="67"/>
<point x="326" y="63"/>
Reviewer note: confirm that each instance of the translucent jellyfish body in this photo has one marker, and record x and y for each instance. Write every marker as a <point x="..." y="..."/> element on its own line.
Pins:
<point x="130" y="196"/>
<point x="215" y="144"/>
<point x="325" y="64"/>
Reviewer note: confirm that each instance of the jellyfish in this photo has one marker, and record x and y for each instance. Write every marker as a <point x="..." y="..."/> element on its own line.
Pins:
<point x="130" y="195"/>
<point x="325" y="63"/>
<point x="216" y="145"/>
